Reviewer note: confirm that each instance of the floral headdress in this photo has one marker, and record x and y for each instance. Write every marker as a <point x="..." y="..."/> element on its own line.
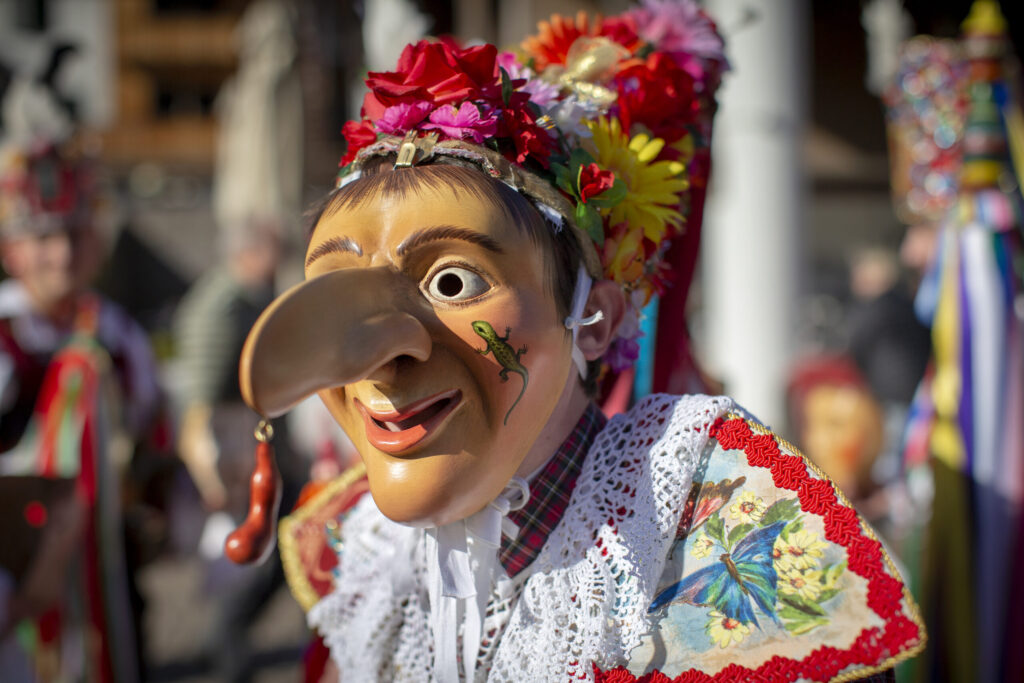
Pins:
<point x="603" y="122"/>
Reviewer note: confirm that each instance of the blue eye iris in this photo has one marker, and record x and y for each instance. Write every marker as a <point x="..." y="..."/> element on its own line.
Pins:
<point x="456" y="284"/>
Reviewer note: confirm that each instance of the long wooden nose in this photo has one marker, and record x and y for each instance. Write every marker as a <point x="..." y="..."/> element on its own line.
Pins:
<point x="329" y="331"/>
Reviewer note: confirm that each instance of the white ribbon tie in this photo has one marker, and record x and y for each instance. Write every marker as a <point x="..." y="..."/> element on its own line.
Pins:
<point x="466" y="554"/>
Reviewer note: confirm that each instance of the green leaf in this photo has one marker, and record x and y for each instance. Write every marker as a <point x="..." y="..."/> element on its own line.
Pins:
<point x="739" y="532"/>
<point x="792" y="614"/>
<point x="715" y="528"/>
<point x="580" y="157"/>
<point x="563" y="176"/>
<point x="506" y="86"/>
<point x="791" y="528"/>
<point x="589" y="220"/>
<point x="806" y="627"/>
<point x="834" y="573"/>
<point x="780" y="511"/>
<point x="827" y="595"/>
<point x="644" y="50"/>
<point x="612" y="196"/>
<point x="805" y="606"/>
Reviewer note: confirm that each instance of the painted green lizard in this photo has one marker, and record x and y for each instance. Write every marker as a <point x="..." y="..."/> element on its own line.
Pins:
<point x="504" y="354"/>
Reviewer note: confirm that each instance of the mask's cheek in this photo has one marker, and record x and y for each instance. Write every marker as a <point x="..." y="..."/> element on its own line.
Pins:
<point x="339" y="408"/>
<point x="517" y="332"/>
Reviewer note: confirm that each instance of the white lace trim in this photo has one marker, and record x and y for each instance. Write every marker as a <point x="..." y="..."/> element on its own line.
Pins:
<point x="585" y="599"/>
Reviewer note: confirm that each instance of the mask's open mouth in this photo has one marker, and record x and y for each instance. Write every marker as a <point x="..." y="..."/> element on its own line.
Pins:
<point x="418" y="418"/>
<point x="400" y="430"/>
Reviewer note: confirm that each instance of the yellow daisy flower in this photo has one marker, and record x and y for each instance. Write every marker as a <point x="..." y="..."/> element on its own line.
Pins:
<point x="801" y="550"/>
<point x="651" y="207"/>
<point x="748" y="509"/>
<point x="724" y="631"/>
<point x="702" y="546"/>
<point x="806" y="584"/>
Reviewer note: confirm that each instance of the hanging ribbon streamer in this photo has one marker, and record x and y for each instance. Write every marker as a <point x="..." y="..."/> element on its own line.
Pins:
<point x="465" y="555"/>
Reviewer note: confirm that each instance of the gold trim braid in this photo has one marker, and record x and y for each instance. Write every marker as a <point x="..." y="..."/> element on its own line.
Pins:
<point x="294" y="571"/>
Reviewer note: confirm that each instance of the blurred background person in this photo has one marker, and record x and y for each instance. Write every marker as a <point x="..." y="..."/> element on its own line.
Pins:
<point x="256" y="199"/>
<point x="78" y="386"/>
<point x="838" y="423"/>
<point x="216" y="433"/>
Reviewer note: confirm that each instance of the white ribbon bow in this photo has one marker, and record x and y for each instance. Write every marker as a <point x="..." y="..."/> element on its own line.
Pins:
<point x="466" y="555"/>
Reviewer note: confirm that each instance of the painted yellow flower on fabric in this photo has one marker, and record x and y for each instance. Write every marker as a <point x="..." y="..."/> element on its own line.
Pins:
<point x="806" y="584"/>
<point x="702" y="546"/>
<point x="651" y="206"/>
<point x="800" y="550"/>
<point x="748" y="509"/>
<point x="725" y="631"/>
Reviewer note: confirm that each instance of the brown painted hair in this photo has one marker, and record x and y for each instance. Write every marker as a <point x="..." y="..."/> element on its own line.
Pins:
<point x="380" y="178"/>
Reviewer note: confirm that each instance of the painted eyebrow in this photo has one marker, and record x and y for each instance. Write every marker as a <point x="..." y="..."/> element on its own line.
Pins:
<point x="343" y="245"/>
<point x="447" y="232"/>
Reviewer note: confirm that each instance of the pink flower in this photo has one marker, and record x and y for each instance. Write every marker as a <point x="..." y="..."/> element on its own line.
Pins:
<point x="464" y="123"/>
<point x="541" y="92"/>
<point x="683" y="30"/>
<point x="400" y="118"/>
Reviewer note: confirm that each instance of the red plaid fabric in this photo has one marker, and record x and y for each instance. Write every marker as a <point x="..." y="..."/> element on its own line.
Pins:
<point x="550" y="491"/>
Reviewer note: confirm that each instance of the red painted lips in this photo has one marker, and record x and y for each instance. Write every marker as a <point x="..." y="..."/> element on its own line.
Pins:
<point x="398" y="431"/>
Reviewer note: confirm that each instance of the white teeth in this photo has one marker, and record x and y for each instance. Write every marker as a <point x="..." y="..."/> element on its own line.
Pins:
<point x="392" y="426"/>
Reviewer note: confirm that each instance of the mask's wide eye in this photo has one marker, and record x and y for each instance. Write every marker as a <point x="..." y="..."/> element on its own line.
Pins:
<point x="454" y="283"/>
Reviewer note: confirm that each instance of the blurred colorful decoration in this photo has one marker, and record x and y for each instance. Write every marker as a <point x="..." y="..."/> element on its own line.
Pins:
<point x="964" y="175"/>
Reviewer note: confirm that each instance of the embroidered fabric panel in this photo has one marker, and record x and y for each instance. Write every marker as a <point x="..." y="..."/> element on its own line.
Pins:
<point x="772" y="576"/>
<point x="308" y="537"/>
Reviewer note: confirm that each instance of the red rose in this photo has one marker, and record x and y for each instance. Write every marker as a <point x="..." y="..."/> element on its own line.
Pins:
<point x="358" y="134"/>
<point x="436" y="72"/>
<point x="594" y="181"/>
<point x="520" y="123"/>
<point x="622" y="30"/>
<point x="658" y="95"/>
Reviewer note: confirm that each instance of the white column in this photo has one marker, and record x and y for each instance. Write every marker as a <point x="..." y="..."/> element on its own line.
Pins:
<point x="752" y="248"/>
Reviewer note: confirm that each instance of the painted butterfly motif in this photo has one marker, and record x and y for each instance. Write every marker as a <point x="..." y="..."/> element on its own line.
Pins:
<point x="742" y="578"/>
<point x="705" y="499"/>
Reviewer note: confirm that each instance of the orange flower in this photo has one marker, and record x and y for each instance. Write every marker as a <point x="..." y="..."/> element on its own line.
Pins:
<point x="623" y="254"/>
<point x="554" y="38"/>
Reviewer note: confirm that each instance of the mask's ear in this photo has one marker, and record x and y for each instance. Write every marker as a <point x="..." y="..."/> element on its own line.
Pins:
<point x="605" y="296"/>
